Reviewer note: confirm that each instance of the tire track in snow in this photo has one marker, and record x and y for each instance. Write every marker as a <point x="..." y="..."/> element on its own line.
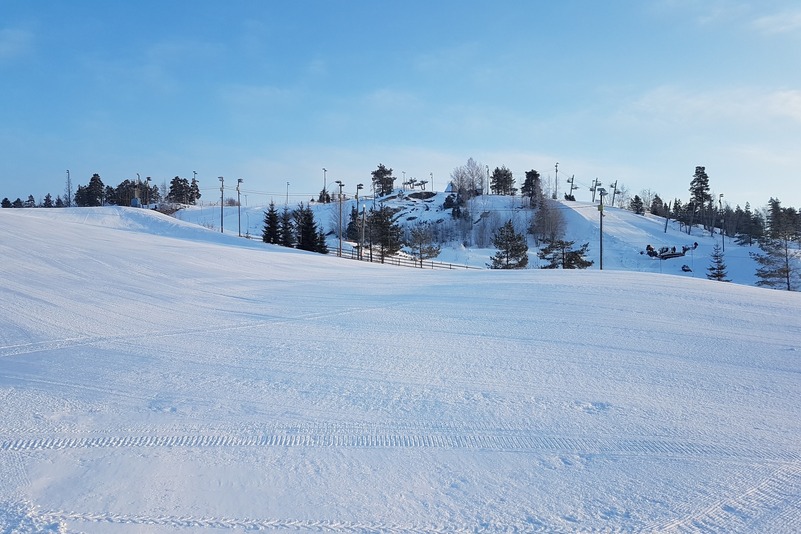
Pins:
<point x="12" y="474"/>
<point x="194" y="523"/>
<point x="767" y="502"/>
<point x="388" y="438"/>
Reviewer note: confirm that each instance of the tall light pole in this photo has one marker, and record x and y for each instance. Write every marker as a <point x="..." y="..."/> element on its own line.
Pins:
<point x="722" y="222"/>
<point x="602" y="193"/>
<point x="239" y="206"/>
<point x="222" y="188"/>
<point x="364" y="224"/>
<point x="556" y="186"/>
<point x="341" y="185"/>
<point x="325" y="184"/>
<point x="359" y="187"/>
<point x="147" y="191"/>
<point x="286" y="202"/>
<point x="69" y="189"/>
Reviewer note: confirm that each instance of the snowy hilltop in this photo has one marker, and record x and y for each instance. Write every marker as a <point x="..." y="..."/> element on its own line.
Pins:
<point x="626" y="235"/>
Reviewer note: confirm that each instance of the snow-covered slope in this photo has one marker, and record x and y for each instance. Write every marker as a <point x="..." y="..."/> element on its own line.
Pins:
<point x="156" y="376"/>
<point x="625" y="234"/>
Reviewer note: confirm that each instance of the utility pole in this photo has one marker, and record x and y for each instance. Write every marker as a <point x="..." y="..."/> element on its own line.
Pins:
<point x="431" y="175"/>
<point x="325" y="184"/>
<point x="602" y="193"/>
<point x="667" y="214"/>
<point x="358" y="188"/>
<point x="239" y="205"/>
<point x="286" y="202"/>
<point x="556" y="186"/>
<point x="364" y="221"/>
<point x="222" y="189"/>
<point x="341" y="185"/>
<point x="69" y="189"/>
<point x="722" y="222"/>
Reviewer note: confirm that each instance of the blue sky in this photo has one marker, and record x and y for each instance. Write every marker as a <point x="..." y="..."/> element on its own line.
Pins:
<point x="273" y="92"/>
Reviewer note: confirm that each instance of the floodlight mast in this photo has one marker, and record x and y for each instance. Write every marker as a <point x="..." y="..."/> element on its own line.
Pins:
<point x="239" y="205"/>
<point x="222" y="189"/>
<point x="602" y="193"/>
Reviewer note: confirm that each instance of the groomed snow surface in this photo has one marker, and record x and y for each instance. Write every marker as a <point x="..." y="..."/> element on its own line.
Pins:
<point x="158" y="376"/>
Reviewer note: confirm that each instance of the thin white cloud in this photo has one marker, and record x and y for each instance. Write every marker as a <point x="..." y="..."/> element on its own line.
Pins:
<point x="703" y="12"/>
<point x="744" y="105"/>
<point x="14" y="43"/>
<point x="257" y="96"/>
<point x="459" y="57"/>
<point x="786" y="22"/>
<point x="393" y="100"/>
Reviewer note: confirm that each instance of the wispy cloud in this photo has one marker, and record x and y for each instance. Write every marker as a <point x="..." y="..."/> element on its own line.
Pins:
<point x="743" y="105"/>
<point x="786" y="22"/>
<point x="14" y="43"/>
<point x="704" y="12"/>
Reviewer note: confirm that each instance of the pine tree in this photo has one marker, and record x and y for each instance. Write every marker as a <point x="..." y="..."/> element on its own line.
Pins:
<point x="777" y="265"/>
<point x="717" y="270"/>
<point x="48" y="201"/>
<point x="95" y="191"/>
<point x="421" y="243"/>
<point x="502" y="181"/>
<point x="699" y="194"/>
<point x="6" y="203"/>
<point x="322" y="246"/>
<point x="181" y="191"/>
<point x="657" y="206"/>
<point x="383" y="181"/>
<point x="272" y="225"/>
<point x="305" y="228"/>
<point x="532" y="188"/>
<point x="548" y="222"/>
<point x="287" y="232"/>
<point x="779" y="262"/>
<point x="352" y="229"/>
<point x="384" y="231"/>
<point x="194" y="191"/>
<point x="512" y="248"/>
<point x="560" y="255"/>
<point x="637" y="206"/>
